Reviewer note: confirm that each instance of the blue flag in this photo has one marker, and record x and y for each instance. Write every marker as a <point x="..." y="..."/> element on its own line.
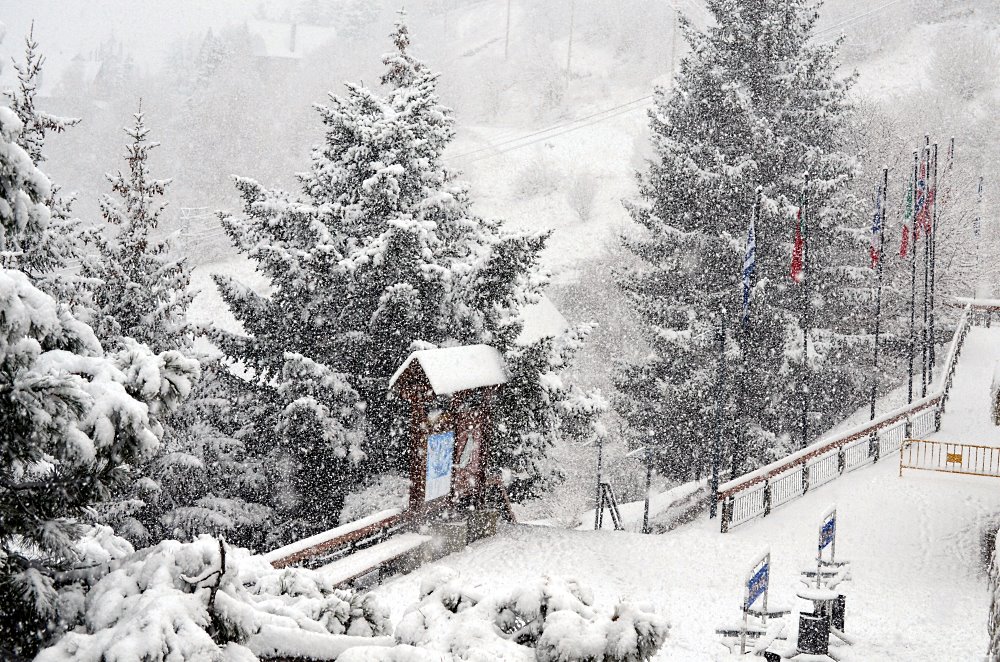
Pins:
<point x="749" y="266"/>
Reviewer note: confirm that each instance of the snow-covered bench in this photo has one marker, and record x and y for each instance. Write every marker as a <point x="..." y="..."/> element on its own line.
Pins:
<point x="375" y="559"/>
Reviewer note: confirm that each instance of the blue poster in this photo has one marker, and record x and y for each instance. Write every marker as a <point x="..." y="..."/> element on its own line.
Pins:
<point x="440" y="449"/>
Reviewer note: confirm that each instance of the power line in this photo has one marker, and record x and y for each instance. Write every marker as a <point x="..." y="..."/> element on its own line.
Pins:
<point x="554" y="135"/>
<point x="857" y="17"/>
<point x="627" y="106"/>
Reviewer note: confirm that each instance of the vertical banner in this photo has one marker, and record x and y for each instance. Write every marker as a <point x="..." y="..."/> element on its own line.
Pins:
<point x="440" y="448"/>
<point x="828" y="530"/>
<point x="758" y="580"/>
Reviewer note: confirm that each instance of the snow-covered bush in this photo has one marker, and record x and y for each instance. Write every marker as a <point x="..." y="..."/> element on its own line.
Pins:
<point x="552" y="620"/>
<point x="204" y="600"/>
<point x="72" y="421"/>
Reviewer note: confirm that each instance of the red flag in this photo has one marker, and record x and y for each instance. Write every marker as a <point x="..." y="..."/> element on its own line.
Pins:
<point x="798" y="250"/>
<point x="905" y="244"/>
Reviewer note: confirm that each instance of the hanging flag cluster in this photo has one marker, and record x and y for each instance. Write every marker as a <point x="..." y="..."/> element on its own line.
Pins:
<point x="874" y="249"/>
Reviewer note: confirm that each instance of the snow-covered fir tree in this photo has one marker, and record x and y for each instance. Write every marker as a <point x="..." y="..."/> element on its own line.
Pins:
<point x="201" y="480"/>
<point x="141" y="289"/>
<point x="756" y="104"/>
<point x="42" y="247"/>
<point x="377" y="256"/>
<point x="72" y="418"/>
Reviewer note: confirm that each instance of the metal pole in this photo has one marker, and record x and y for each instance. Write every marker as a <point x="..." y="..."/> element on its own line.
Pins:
<point x="927" y="262"/>
<point x="506" y="38"/>
<point x="805" y="314"/>
<point x="913" y="283"/>
<point x="597" y="499"/>
<point x="569" y="49"/>
<point x="977" y="230"/>
<point x="717" y="448"/>
<point x="649" y="479"/>
<point x="933" y="250"/>
<point x="878" y="287"/>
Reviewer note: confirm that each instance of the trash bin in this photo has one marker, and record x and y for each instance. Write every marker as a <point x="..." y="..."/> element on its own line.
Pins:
<point x="837" y="617"/>
<point x="814" y="634"/>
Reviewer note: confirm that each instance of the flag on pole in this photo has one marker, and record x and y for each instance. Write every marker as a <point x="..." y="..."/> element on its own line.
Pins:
<point x="904" y="246"/>
<point x="798" y="250"/>
<point x="749" y="266"/>
<point x="874" y="249"/>
<point x="922" y="220"/>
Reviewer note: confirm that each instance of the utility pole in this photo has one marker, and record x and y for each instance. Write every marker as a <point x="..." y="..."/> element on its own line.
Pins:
<point x="506" y="38"/>
<point x="569" y="49"/>
<point x="673" y="45"/>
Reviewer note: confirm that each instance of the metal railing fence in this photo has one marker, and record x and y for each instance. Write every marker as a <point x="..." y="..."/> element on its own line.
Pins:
<point x="756" y="493"/>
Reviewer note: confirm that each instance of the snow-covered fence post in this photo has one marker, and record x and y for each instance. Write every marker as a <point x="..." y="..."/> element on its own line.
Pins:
<point x="841" y="460"/>
<point x="727" y="514"/>
<point x="873" y="448"/>
<point x="805" y="477"/>
<point x="767" y="497"/>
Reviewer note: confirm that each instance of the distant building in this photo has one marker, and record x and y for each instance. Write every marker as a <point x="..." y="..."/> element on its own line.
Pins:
<point x="278" y="46"/>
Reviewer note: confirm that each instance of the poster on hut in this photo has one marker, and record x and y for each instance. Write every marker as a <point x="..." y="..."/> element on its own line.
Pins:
<point x="440" y="448"/>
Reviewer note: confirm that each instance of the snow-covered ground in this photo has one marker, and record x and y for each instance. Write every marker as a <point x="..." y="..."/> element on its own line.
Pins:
<point x="918" y="592"/>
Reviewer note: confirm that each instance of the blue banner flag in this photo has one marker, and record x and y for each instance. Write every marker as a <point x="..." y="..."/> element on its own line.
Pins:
<point x="757" y="584"/>
<point x="827" y="532"/>
<point x="749" y="266"/>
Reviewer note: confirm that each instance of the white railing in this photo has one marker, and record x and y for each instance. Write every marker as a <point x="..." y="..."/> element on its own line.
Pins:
<point x="756" y="493"/>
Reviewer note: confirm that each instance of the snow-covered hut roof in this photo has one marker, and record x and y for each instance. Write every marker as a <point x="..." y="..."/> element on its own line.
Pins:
<point x="452" y="369"/>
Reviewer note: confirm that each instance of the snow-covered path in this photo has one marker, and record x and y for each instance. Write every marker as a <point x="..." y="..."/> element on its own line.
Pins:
<point x="967" y="418"/>
<point x="918" y="593"/>
<point x="919" y="590"/>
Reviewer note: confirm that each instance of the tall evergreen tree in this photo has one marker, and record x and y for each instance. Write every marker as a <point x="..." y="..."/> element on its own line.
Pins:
<point x="71" y="419"/>
<point x="42" y="248"/>
<point x="142" y="291"/>
<point x="377" y="256"/>
<point x="755" y="104"/>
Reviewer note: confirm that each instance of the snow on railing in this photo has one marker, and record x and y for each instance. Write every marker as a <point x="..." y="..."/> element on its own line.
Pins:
<point x="754" y="494"/>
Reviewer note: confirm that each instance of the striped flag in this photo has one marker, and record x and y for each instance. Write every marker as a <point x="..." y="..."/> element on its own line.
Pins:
<point x="749" y="267"/>
<point x="874" y="249"/>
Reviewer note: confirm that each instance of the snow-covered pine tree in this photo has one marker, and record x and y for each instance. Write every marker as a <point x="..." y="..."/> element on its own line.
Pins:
<point x="755" y="104"/>
<point x="71" y="419"/>
<point x="42" y="248"/>
<point x="142" y="291"/>
<point x="377" y="256"/>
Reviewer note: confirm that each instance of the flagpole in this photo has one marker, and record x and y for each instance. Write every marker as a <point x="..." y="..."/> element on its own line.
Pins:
<point x="880" y="209"/>
<point x="977" y="230"/>
<point x="913" y="282"/>
<point x="927" y="260"/>
<point x="805" y="313"/>
<point x="932" y="239"/>
<point x="749" y="271"/>
<point x="717" y="448"/>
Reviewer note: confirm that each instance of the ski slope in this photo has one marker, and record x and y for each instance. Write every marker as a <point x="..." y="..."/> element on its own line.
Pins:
<point x="918" y="593"/>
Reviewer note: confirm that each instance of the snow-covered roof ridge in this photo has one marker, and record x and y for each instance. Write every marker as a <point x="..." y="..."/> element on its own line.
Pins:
<point x="453" y="369"/>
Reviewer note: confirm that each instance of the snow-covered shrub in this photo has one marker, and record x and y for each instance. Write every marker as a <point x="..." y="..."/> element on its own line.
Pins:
<point x="551" y="621"/>
<point x="388" y="491"/>
<point x="72" y="420"/>
<point x="204" y="600"/>
<point x="581" y="194"/>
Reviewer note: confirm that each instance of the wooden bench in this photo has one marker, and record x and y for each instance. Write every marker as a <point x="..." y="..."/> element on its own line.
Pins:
<point x="375" y="559"/>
